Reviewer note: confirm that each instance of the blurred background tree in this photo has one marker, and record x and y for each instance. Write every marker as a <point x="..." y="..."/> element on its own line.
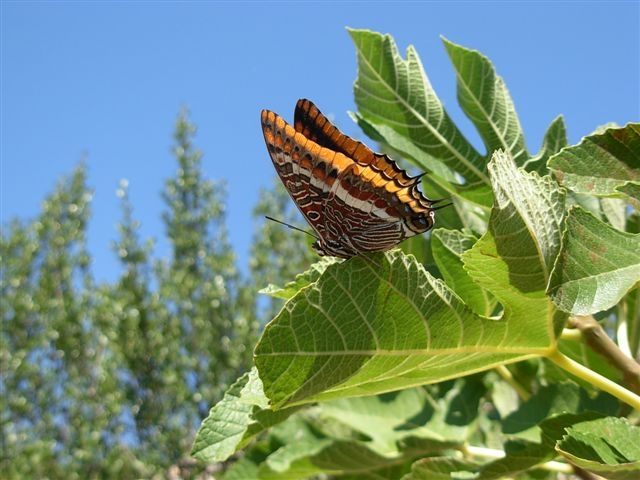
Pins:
<point x="112" y="380"/>
<point x="61" y="402"/>
<point x="277" y="253"/>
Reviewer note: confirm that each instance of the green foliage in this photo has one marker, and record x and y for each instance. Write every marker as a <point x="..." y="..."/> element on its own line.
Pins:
<point x="377" y="367"/>
<point x="601" y="164"/>
<point x="613" y="257"/>
<point x="112" y="380"/>
<point x="381" y="323"/>
<point x="57" y="370"/>
<point x="614" y="455"/>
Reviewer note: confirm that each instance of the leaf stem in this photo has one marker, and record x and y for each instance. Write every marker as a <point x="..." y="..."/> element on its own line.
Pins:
<point x="594" y="378"/>
<point x="506" y="375"/>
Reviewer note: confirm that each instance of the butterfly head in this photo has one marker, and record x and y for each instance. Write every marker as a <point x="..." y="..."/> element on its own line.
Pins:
<point x="421" y="222"/>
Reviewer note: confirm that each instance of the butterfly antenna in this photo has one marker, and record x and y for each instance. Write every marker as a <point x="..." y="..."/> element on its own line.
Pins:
<point x="442" y="206"/>
<point x="291" y="226"/>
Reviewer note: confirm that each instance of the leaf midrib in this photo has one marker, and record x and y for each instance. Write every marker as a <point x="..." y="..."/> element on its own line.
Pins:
<point x="428" y="126"/>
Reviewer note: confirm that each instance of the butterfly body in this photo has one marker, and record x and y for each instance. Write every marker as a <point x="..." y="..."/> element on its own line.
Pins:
<point x="355" y="199"/>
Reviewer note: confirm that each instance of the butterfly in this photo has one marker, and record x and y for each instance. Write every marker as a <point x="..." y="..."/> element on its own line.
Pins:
<point x="355" y="200"/>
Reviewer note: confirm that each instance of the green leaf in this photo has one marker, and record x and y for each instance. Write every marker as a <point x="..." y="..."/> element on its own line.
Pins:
<point x="550" y="401"/>
<point x="473" y="216"/>
<point x="522" y="455"/>
<point x="632" y="191"/>
<point x="243" y="469"/>
<point x="399" y="422"/>
<point x="614" y="211"/>
<point x="235" y="420"/>
<point x="404" y="146"/>
<point x="513" y="260"/>
<point x="301" y="281"/>
<point x="380" y="322"/>
<point x="448" y="247"/>
<point x="439" y="468"/>
<point x="555" y="139"/>
<point x="631" y="188"/>
<point x="484" y="98"/>
<point x="602" y="163"/>
<point x="554" y="427"/>
<point x="609" y="447"/>
<point x="332" y="457"/>
<point x="597" y="266"/>
<point x="629" y="310"/>
<point x="395" y="92"/>
<point x="534" y="204"/>
<point x="374" y="436"/>
<point x="298" y="453"/>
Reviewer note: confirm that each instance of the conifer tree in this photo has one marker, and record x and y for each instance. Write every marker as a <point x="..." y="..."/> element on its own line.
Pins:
<point x="57" y="368"/>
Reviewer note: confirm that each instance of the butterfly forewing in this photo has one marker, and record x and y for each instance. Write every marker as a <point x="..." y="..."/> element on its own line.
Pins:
<point x="356" y="200"/>
<point x="310" y="121"/>
<point x="307" y="170"/>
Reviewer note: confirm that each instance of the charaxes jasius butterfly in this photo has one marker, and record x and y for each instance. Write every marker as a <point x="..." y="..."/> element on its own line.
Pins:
<point x="356" y="200"/>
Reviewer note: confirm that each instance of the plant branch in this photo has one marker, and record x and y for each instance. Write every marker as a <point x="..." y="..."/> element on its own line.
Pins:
<point x="599" y="342"/>
<point x="492" y="453"/>
<point x="594" y="378"/>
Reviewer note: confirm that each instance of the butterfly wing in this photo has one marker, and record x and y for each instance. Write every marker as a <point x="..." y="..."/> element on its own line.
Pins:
<point x="307" y="170"/>
<point x="392" y="183"/>
<point x="355" y="200"/>
<point x="310" y="121"/>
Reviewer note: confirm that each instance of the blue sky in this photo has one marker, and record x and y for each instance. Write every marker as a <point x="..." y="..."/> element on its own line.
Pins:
<point x="104" y="82"/>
